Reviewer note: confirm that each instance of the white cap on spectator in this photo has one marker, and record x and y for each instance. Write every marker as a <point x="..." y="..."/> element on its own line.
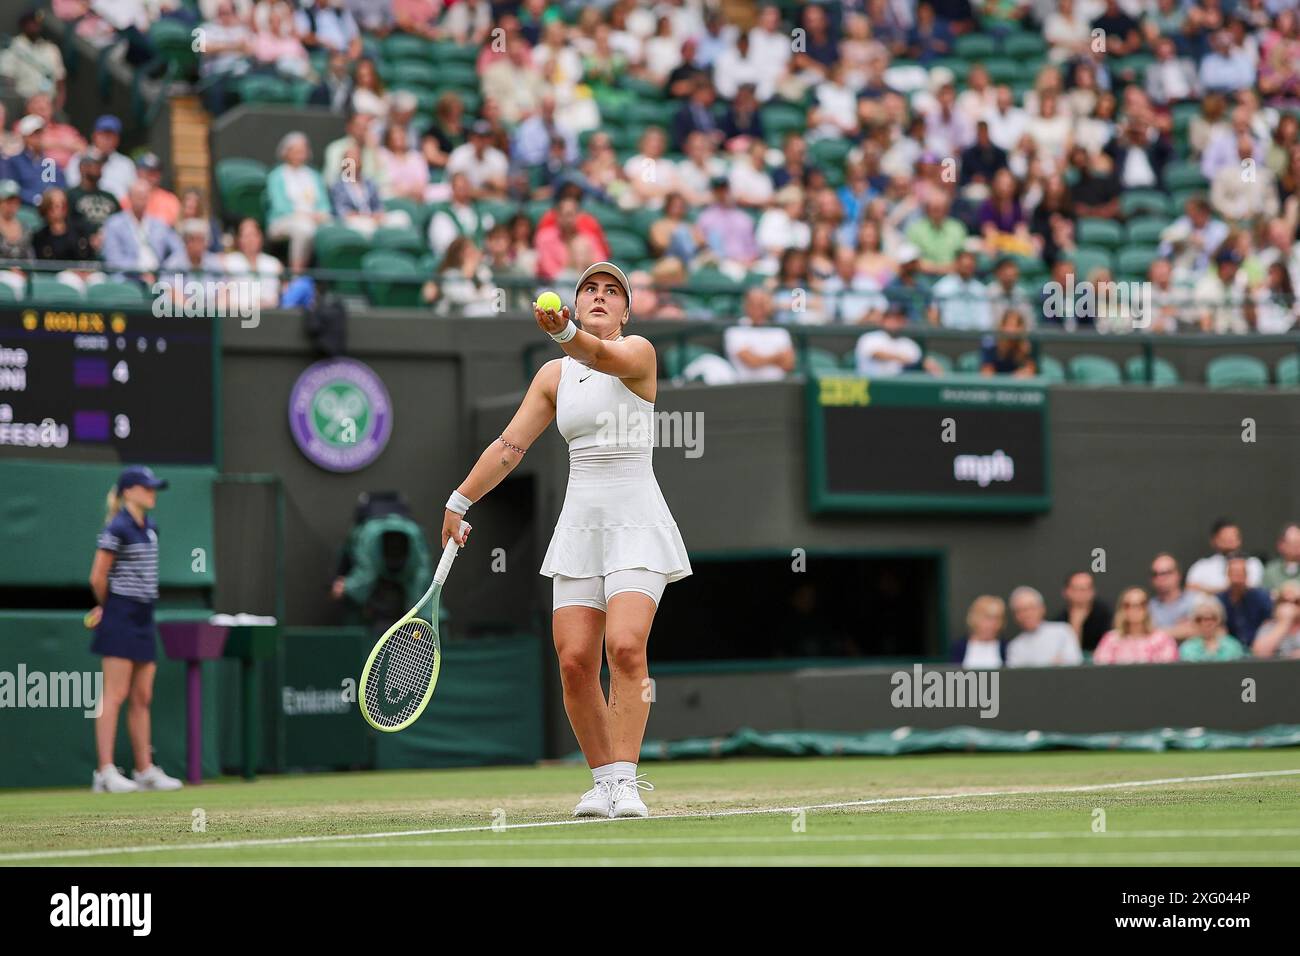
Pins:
<point x="941" y="76"/>
<point x="908" y="253"/>
<point x="30" y="124"/>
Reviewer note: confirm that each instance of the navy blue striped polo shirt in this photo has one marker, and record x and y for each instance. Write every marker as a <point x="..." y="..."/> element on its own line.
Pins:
<point x="134" y="573"/>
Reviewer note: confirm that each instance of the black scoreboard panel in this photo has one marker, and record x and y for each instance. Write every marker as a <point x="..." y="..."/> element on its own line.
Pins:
<point x="139" y="384"/>
<point x="960" y="444"/>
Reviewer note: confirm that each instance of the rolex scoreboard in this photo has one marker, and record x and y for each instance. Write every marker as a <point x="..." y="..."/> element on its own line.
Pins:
<point x="94" y="381"/>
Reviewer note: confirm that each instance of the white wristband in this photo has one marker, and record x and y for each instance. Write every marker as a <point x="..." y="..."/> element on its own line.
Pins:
<point x="568" y="332"/>
<point x="458" y="503"/>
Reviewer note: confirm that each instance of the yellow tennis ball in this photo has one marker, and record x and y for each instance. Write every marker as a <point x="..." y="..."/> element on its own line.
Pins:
<point x="549" y="302"/>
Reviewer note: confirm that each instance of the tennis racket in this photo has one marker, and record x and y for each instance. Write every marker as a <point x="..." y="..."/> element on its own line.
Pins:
<point x="402" y="670"/>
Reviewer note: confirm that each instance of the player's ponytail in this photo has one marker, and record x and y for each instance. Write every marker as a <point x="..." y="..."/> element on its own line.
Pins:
<point x="112" y="504"/>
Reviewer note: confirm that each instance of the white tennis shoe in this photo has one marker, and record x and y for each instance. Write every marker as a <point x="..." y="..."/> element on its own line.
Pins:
<point x="626" y="800"/>
<point x="111" y="780"/>
<point x="155" y="779"/>
<point x="597" y="801"/>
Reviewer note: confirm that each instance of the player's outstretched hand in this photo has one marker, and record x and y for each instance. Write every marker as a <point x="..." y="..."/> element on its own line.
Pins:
<point x="551" y="321"/>
<point x="451" y="529"/>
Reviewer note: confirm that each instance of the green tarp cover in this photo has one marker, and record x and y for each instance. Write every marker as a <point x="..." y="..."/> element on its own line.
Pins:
<point x="879" y="743"/>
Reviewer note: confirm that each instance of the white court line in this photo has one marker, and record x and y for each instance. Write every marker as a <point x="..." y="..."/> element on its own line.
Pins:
<point x="1173" y="857"/>
<point x="698" y="814"/>
<point x="1260" y="833"/>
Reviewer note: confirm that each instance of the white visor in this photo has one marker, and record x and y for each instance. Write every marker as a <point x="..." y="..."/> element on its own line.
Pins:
<point x="613" y="270"/>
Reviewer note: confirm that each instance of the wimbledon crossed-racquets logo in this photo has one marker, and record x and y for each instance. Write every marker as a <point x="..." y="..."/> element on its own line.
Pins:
<point x="340" y="414"/>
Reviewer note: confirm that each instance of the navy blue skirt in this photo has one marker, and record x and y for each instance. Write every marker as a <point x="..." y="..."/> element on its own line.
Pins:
<point x="126" y="630"/>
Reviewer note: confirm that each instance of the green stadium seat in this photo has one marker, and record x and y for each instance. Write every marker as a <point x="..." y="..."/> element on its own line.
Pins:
<point x="969" y="362"/>
<point x="781" y="118"/>
<point x="338" y="247"/>
<point x="960" y="68"/>
<point x="975" y="46"/>
<point x="1145" y="231"/>
<point x="173" y="44"/>
<point x="48" y="291"/>
<point x="642" y="89"/>
<point x="117" y="295"/>
<point x="1050" y="369"/>
<point x="420" y="74"/>
<point x="830" y="154"/>
<point x="1132" y="68"/>
<point x="448" y="52"/>
<point x="1094" y="370"/>
<point x="1287" y="371"/>
<point x="1132" y="262"/>
<point x="1236" y="371"/>
<point x="1162" y="372"/>
<point x="461" y="76"/>
<point x="645" y="113"/>
<point x="399" y="239"/>
<point x="641" y="220"/>
<point x="1099" y="232"/>
<point x="535" y="209"/>
<point x="941" y="360"/>
<point x="1024" y="46"/>
<point x="624" y="244"/>
<point x="1088" y="258"/>
<point x="1179" y="197"/>
<point x="397" y="47"/>
<point x="1183" y="113"/>
<point x="1005" y="71"/>
<point x="676" y="357"/>
<point x="239" y="164"/>
<point x="1145" y="201"/>
<point x="501" y="210"/>
<point x="7" y="293"/>
<point x="392" y="278"/>
<point x="241" y="189"/>
<point x="30" y="218"/>
<point x="821" y="361"/>
<point x="1184" y="174"/>
<point x="610" y="217"/>
<point x="261" y="88"/>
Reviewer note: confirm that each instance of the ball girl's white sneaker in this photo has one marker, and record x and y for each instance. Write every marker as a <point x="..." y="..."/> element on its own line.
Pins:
<point x="596" y="801"/>
<point x="111" y="780"/>
<point x="155" y="779"/>
<point x="626" y="800"/>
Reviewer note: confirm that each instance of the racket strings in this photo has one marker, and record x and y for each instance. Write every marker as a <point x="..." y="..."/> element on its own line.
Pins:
<point x="403" y="670"/>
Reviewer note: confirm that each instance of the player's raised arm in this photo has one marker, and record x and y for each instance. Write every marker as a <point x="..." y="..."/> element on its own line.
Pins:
<point x="601" y="299"/>
<point x="536" y="411"/>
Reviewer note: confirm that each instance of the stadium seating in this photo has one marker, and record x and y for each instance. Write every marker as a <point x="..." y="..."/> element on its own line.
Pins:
<point x="1094" y="370"/>
<point x="1236" y="371"/>
<point x="1163" y="374"/>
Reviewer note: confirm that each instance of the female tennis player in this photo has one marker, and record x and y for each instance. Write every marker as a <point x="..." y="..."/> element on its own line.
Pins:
<point x="124" y="578"/>
<point x="616" y="545"/>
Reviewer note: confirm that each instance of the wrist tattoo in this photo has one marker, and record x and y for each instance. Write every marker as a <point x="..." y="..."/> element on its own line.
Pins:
<point x="512" y="446"/>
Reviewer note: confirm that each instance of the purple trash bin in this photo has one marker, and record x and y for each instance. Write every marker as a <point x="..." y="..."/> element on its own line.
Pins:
<point x="193" y="642"/>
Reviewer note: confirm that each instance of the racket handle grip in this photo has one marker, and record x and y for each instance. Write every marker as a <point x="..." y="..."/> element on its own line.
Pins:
<point x="448" y="556"/>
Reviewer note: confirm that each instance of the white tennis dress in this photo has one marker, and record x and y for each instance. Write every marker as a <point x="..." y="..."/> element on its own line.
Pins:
<point x="614" y="515"/>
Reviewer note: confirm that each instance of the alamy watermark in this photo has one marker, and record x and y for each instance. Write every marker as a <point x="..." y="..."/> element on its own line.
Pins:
<point x="179" y="296"/>
<point x="1117" y="305"/>
<point x="75" y="690"/>
<point x="946" y="689"/>
<point x="631" y="427"/>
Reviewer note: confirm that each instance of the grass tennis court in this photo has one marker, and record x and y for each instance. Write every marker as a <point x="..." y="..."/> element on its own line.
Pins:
<point x="951" y="809"/>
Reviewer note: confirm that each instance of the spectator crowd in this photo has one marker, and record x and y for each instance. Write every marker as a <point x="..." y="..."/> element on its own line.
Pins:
<point x="1228" y="606"/>
<point x="885" y="163"/>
